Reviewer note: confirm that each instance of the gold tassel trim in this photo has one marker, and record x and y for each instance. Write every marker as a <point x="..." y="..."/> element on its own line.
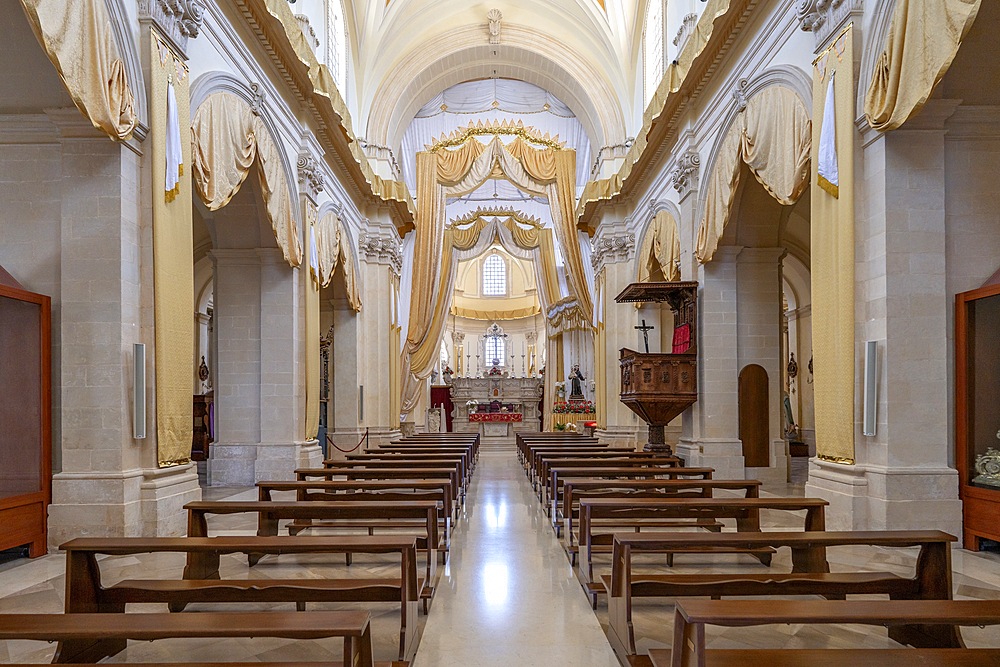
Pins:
<point x="829" y="187"/>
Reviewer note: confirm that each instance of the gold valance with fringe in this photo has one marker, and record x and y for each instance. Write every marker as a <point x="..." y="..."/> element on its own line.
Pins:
<point x="773" y="137"/>
<point x="78" y="39"/>
<point x="227" y="138"/>
<point x="493" y="315"/>
<point x="661" y="249"/>
<point x="922" y="43"/>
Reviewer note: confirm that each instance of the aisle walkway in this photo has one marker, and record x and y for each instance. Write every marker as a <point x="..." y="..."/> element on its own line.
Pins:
<point x="508" y="596"/>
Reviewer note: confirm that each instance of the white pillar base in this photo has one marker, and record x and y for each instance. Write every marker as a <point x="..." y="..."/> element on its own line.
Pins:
<point x="880" y="498"/>
<point x="164" y="493"/>
<point x="620" y="436"/>
<point x="725" y="455"/>
<point x="245" y="464"/>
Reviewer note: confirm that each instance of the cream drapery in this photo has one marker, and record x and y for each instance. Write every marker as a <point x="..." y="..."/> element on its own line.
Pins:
<point x="773" y="137"/>
<point x="922" y="43"/>
<point x="334" y="249"/>
<point x="662" y="248"/>
<point x="453" y="173"/>
<point x="78" y="39"/>
<point x="470" y="241"/>
<point x="227" y="137"/>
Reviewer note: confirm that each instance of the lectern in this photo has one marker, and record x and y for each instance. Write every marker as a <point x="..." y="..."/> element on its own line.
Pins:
<point x="660" y="386"/>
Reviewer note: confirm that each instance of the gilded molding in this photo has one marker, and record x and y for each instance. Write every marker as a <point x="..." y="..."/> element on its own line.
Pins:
<point x="497" y="212"/>
<point x="496" y="128"/>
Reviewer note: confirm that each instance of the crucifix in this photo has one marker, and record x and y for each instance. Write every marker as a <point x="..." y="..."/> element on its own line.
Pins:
<point x="645" y="329"/>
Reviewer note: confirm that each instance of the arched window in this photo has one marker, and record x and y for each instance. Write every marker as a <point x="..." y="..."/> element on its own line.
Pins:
<point x="652" y="49"/>
<point x="336" y="43"/>
<point x="494" y="277"/>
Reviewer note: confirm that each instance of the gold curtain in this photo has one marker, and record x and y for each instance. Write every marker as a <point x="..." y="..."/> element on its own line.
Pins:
<point x="661" y="247"/>
<point x="173" y="265"/>
<point x="922" y="43"/>
<point x="328" y="236"/>
<point x="491" y="315"/>
<point x="600" y="350"/>
<point x="227" y="138"/>
<point x="773" y="136"/>
<point x="78" y="39"/>
<point x="832" y="268"/>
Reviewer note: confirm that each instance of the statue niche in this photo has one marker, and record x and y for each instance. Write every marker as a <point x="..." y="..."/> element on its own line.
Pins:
<point x="660" y="386"/>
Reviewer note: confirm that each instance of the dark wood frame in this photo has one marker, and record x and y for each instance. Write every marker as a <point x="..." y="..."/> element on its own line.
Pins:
<point x="25" y="517"/>
<point x="980" y="506"/>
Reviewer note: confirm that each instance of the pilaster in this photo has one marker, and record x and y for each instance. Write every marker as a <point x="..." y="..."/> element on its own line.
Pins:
<point x="901" y="479"/>
<point x="711" y="436"/>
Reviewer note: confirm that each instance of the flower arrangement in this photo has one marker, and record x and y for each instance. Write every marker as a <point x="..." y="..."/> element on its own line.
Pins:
<point x="496" y="370"/>
<point x="472" y="406"/>
<point x="574" y="407"/>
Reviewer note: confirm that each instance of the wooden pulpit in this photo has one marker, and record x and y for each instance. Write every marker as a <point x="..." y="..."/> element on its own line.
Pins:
<point x="659" y="386"/>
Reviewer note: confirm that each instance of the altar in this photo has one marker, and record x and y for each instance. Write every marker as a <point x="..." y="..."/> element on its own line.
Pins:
<point x="497" y="407"/>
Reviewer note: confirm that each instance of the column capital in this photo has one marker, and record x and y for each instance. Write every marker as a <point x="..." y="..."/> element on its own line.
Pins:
<point x="311" y="180"/>
<point x="824" y="18"/>
<point x="612" y="246"/>
<point x="382" y="247"/>
<point x="686" y="174"/>
<point x="177" y="20"/>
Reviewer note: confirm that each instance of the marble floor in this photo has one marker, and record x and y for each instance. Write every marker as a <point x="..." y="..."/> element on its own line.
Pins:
<point x="507" y="595"/>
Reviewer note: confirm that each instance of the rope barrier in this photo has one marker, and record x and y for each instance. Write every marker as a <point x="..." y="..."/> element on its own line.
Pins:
<point x="347" y="451"/>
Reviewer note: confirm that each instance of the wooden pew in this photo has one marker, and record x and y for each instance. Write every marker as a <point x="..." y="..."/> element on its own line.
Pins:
<point x="539" y="456"/>
<point x="87" y="638"/>
<point x="434" y="459"/>
<point x="636" y="513"/>
<point x="627" y="460"/>
<point x="419" y="489"/>
<point x="927" y="618"/>
<point x="461" y="450"/>
<point x="361" y="474"/>
<point x="810" y="573"/>
<point x="596" y="471"/>
<point x="86" y="593"/>
<point x="574" y="489"/>
<point x="270" y="513"/>
<point x="525" y="440"/>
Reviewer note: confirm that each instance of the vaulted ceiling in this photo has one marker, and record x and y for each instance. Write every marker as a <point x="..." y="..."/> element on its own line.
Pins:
<point x="407" y="51"/>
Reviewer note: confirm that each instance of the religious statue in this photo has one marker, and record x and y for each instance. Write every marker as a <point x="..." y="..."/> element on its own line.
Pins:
<point x="447" y="373"/>
<point x="576" y="383"/>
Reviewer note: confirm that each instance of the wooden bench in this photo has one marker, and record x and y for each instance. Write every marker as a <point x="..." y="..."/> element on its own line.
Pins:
<point x="558" y="473"/>
<point x="429" y="449"/>
<point x="87" y="638"/>
<point x="540" y="456"/>
<point x="574" y="489"/>
<point x="810" y="573"/>
<point x="525" y="440"/>
<point x="270" y="513"/>
<point x="928" y="619"/>
<point x="404" y="489"/>
<point x="639" y="513"/>
<point x="361" y="474"/>
<point x="201" y="583"/>
<point x="405" y="460"/>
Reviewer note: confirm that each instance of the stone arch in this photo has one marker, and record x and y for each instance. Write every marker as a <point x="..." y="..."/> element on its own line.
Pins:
<point x="129" y="51"/>
<point x="655" y="207"/>
<point x="252" y="94"/>
<point x="465" y="58"/>
<point x="874" y="41"/>
<point x="789" y="76"/>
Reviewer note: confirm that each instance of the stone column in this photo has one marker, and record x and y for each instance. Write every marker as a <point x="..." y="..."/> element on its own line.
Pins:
<point x="381" y="260"/>
<point x="614" y="255"/>
<point x="346" y="430"/>
<point x="711" y="436"/>
<point x="109" y="484"/>
<point x="759" y="329"/>
<point x="901" y="479"/>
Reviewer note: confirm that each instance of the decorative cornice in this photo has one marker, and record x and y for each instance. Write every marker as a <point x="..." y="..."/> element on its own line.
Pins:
<point x="614" y="152"/>
<point x="311" y="181"/>
<point x="497" y="212"/>
<point x="496" y="128"/>
<point x="612" y="249"/>
<point x="177" y="20"/>
<point x="685" y="174"/>
<point x="823" y="18"/>
<point x="381" y="249"/>
<point x="379" y="152"/>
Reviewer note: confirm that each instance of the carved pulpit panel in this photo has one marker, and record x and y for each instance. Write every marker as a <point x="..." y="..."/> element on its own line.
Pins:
<point x="660" y="386"/>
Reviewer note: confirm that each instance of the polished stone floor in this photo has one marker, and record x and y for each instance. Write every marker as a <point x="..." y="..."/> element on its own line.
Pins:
<point x="507" y="596"/>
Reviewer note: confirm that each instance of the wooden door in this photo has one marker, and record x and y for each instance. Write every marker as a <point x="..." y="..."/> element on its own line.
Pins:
<point x="754" y="416"/>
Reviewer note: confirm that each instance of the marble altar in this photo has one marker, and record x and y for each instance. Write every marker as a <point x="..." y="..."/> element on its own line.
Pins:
<point x="523" y="393"/>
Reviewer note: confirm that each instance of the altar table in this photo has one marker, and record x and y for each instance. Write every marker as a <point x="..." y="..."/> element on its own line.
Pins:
<point x="494" y="417"/>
